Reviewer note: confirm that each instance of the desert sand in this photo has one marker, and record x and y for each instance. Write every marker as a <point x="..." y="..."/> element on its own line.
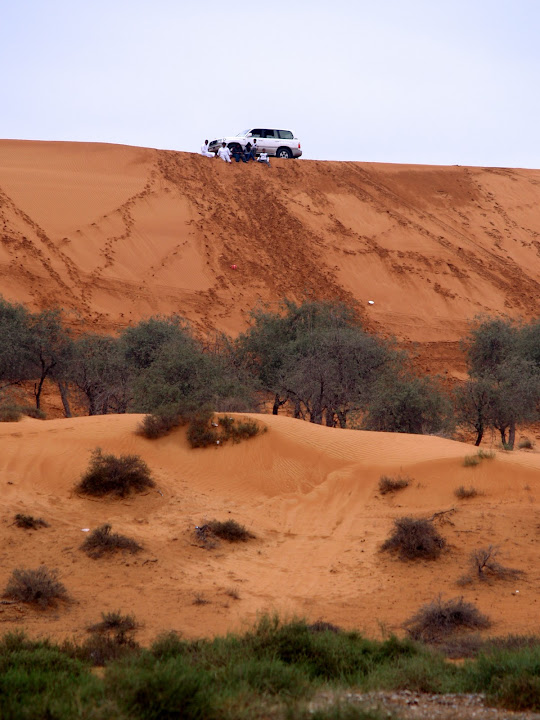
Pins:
<point x="114" y="234"/>
<point x="309" y="494"/>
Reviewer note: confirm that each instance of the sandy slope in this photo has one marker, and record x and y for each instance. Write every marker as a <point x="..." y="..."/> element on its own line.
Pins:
<point x="310" y="495"/>
<point x="116" y="233"/>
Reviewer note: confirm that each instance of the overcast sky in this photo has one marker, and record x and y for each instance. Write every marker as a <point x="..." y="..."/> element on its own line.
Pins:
<point x="406" y="81"/>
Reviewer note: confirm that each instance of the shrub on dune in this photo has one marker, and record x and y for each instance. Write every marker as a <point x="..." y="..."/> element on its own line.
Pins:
<point x="39" y="587"/>
<point x="414" y="539"/>
<point x="102" y="541"/>
<point x="118" y="476"/>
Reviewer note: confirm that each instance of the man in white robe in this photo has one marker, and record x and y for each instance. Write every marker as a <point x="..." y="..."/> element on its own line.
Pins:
<point x="205" y="151"/>
<point x="224" y="153"/>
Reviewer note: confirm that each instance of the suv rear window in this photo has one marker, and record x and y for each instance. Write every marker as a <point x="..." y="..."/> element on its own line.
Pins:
<point x="285" y="134"/>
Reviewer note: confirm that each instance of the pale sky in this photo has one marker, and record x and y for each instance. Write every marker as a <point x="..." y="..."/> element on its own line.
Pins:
<point x="419" y="81"/>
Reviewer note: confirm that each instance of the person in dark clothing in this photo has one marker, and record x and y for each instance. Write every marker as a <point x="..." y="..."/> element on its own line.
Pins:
<point x="238" y="154"/>
<point x="249" y="151"/>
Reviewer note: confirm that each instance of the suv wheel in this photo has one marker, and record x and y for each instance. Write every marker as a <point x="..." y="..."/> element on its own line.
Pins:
<point x="284" y="152"/>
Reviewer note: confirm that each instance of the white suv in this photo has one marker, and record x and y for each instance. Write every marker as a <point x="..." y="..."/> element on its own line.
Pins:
<point x="281" y="143"/>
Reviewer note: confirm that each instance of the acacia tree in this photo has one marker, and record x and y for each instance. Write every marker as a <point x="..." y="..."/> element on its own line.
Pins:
<point x="183" y="379"/>
<point x="99" y="370"/>
<point x="504" y="378"/>
<point x="472" y="401"/>
<point x="408" y="404"/>
<point x="15" y="358"/>
<point x="315" y="355"/>
<point x="50" y="349"/>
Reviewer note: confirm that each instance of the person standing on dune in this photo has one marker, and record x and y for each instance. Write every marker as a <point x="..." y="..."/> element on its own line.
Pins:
<point x="224" y="153"/>
<point x="205" y="151"/>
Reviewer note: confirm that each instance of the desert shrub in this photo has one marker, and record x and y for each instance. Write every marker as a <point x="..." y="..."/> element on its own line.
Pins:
<point x="441" y="618"/>
<point x="486" y="454"/>
<point x="101" y="541"/>
<point x="199" y="599"/>
<point x="485" y="566"/>
<point x="119" y="476"/>
<point x="203" y="430"/>
<point x="521" y="692"/>
<point x="27" y="522"/>
<point x="414" y="539"/>
<point x="33" y="412"/>
<point x="110" y="640"/>
<point x="158" y="425"/>
<point x="270" y="677"/>
<point x="237" y="430"/>
<point x="165" y="690"/>
<point x="168" y="645"/>
<point x="464" y="493"/>
<point x="230" y="530"/>
<point x="201" y="434"/>
<point x="471" y="460"/>
<point x="121" y="627"/>
<point x="392" y="484"/>
<point x="323" y="626"/>
<point x="39" y="587"/>
<point x="525" y="443"/>
<point x="10" y="413"/>
<point x="324" y="654"/>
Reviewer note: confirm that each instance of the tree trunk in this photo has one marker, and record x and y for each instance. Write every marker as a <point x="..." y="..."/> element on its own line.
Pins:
<point x="479" y="433"/>
<point x="38" y="387"/>
<point x="512" y="435"/>
<point x="342" y="418"/>
<point x="64" y="394"/>
<point x="277" y="404"/>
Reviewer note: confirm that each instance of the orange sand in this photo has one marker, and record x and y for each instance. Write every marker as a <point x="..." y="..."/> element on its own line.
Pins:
<point x="114" y="234"/>
<point x="117" y="233"/>
<point x="310" y="495"/>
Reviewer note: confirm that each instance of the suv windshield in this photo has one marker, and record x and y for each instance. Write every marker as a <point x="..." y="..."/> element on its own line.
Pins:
<point x="243" y="134"/>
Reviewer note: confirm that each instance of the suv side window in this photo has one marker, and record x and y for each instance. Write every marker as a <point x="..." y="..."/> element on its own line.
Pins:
<point x="269" y="134"/>
<point x="257" y="132"/>
<point x="285" y="135"/>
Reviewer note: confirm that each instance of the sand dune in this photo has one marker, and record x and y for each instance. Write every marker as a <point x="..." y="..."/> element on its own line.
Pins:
<point x="116" y="233"/>
<point x="309" y="493"/>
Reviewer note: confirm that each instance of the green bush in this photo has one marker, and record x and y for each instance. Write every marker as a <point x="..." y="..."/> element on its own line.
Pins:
<point x="158" y="425"/>
<point x="201" y="434"/>
<point x="203" y="430"/>
<point x="10" y="413"/>
<point x="39" y="587"/>
<point x="414" y="539"/>
<point x="102" y="541"/>
<point x="471" y="460"/>
<point x="117" y="476"/>
<point x="166" y="690"/>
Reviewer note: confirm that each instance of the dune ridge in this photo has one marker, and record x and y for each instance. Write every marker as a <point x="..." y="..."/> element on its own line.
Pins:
<point x="115" y="233"/>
